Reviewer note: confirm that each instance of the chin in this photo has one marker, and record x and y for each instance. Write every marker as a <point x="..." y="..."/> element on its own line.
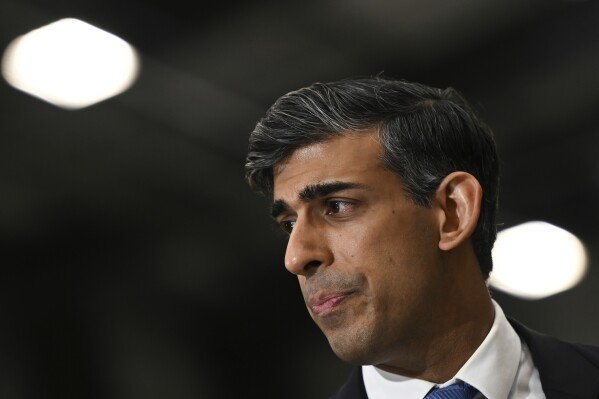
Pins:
<point x="353" y="347"/>
<point x="355" y="356"/>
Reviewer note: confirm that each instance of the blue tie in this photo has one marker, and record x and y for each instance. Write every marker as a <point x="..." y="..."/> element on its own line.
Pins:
<point x="459" y="390"/>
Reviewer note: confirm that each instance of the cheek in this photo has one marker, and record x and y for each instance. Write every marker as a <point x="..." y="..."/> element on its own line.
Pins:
<point x="401" y="250"/>
<point x="384" y="244"/>
<point x="302" y="282"/>
<point x="366" y="249"/>
<point x="352" y="246"/>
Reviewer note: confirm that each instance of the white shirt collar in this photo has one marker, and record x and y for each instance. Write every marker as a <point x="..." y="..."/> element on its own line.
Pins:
<point x="491" y="369"/>
<point x="493" y="366"/>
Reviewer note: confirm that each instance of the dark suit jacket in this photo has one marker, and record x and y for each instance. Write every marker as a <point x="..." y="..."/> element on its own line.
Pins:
<point x="567" y="371"/>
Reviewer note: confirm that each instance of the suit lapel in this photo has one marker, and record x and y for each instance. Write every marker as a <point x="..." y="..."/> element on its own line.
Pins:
<point x="567" y="371"/>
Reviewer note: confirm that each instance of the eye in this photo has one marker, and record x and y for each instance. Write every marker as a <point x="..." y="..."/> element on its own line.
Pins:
<point x="287" y="225"/>
<point x="339" y="207"/>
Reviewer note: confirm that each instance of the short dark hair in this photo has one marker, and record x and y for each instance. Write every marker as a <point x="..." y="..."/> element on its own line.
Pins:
<point x="426" y="133"/>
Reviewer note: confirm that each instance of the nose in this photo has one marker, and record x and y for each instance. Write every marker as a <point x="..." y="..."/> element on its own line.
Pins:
<point x="307" y="249"/>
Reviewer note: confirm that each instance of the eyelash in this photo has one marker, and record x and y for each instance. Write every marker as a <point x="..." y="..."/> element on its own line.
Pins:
<point x="330" y="204"/>
<point x="287" y="225"/>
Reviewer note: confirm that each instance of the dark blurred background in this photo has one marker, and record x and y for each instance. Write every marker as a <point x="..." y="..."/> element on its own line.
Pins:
<point x="135" y="261"/>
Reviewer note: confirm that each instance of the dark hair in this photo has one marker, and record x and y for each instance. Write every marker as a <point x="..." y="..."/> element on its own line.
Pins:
<point x="426" y="133"/>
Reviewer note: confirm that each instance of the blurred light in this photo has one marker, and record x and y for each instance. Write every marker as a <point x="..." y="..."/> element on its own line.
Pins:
<point x="70" y="63"/>
<point x="536" y="259"/>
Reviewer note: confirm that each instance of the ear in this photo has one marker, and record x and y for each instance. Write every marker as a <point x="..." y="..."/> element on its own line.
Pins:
<point x="459" y="198"/>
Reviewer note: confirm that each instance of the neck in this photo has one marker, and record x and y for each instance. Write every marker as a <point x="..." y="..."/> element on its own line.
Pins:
<point x="461" y="323"/>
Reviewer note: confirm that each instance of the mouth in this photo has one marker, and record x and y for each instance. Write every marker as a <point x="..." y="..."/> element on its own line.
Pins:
<point x="324" y="303"/>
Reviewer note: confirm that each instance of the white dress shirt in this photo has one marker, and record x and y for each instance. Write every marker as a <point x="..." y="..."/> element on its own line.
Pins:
<point x="501" y="368"/>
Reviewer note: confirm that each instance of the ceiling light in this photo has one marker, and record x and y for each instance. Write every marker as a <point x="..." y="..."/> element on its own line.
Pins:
<point x="70" y="63"/>
<point x="536" y="259"/>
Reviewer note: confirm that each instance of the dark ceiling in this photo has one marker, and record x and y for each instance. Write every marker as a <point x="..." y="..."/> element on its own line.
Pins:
<point x="137" y="264"/>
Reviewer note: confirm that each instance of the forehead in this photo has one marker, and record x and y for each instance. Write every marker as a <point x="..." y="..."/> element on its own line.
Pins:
<point x="346" y="157"/>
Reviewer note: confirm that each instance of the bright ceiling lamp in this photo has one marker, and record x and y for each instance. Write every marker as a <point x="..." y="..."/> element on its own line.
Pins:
<point x="536" y="259"/>
<point x="70" y="63"/>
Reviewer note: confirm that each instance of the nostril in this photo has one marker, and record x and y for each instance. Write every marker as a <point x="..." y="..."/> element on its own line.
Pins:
<point x="312" y="265"/>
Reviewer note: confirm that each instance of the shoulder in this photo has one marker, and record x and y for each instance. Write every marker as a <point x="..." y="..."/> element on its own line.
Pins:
<point x="564" y="367"/>
<point x="546" y="343"/>
<point x="353" y="387"/>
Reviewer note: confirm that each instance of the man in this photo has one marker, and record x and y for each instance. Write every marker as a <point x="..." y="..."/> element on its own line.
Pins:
<point x="388" y="191"/>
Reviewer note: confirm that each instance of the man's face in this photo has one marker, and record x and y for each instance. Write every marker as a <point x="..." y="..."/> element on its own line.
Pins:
<point x="367" y="258"/>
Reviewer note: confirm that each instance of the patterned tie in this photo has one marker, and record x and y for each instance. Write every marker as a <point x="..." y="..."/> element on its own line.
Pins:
<point x="459" y="390"/>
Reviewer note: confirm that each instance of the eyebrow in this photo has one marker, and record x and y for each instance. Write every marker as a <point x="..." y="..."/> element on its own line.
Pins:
<point x="312" y="192"/>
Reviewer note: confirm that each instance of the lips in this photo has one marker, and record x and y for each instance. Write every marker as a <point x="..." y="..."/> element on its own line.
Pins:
<point x="323" y="303"/>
